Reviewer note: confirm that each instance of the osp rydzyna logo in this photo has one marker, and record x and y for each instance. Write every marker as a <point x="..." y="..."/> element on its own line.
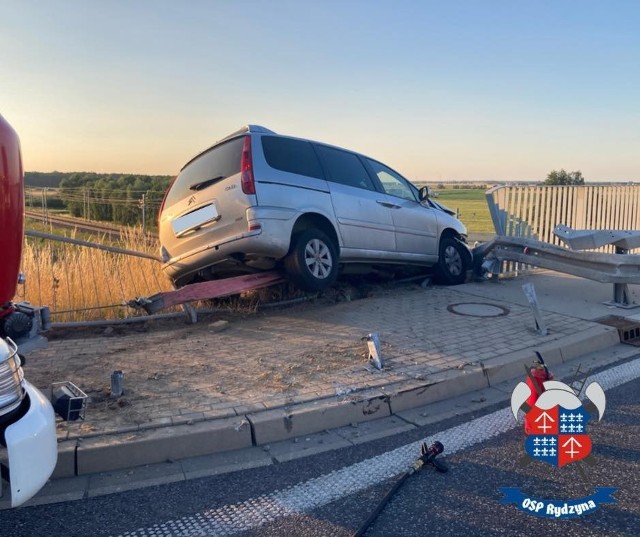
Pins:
<point x="556" y="433"/>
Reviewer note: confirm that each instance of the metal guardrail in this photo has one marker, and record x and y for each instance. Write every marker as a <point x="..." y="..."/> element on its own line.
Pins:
<point x="532" y="221"/>
<point x="597" y="266"/>
<point x="534" y="212"/>
<point x="82" y="281"/>
<point x="88" y="244"/>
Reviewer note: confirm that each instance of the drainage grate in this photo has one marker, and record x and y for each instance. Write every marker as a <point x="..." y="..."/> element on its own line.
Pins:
<point x="629" y="330"/>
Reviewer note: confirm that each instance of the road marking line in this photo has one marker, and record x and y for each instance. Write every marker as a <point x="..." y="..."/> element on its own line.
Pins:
<point x="322" y="490"/>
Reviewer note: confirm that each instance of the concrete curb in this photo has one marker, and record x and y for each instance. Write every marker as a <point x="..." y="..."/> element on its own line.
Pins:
<point x="127" y="450"/>
<point x="282" y="423"/>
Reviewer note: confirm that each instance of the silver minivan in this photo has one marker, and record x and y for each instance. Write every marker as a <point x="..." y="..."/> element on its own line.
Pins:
<point x="257" y="200"/>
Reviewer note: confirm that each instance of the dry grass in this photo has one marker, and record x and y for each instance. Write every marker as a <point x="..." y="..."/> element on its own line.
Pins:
<point x="77" y="281"/>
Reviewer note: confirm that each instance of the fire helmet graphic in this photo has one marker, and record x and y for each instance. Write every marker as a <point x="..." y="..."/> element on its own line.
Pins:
<point x="558" y="420"/>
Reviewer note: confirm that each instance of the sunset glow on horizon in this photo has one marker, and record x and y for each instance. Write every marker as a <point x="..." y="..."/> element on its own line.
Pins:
<point x="462" y="90"/>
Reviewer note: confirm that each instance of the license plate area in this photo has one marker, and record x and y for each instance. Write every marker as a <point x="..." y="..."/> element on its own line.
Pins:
<point x="194" y="220"/>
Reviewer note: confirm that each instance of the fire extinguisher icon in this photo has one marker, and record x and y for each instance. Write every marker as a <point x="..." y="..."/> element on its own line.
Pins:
<point x="537" y="374"/>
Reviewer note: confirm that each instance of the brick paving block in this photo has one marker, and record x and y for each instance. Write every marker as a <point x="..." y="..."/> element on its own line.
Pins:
<point x="110" y="428"/>
<point x="153" y="423"/>
<point x="275" y="402"/>
<point x="187" y="418"/>
<point x="226" y="405"/>
<point x="160" y="414"/>
<point x="217" y="413"/>
<point x="248" y="409"/>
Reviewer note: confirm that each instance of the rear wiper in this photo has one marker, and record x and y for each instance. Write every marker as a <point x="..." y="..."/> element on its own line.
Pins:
<point x="205" y="183"/>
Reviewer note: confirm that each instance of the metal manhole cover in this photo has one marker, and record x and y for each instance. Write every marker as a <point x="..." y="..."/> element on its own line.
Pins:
<point x="478" y="309"/>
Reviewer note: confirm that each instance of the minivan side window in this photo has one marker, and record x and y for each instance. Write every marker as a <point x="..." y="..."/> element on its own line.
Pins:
<point x="290" y="155"/>
<point x="392" y="183"/>
<point x="344" y="168"/>
<point x="219" y="162"/>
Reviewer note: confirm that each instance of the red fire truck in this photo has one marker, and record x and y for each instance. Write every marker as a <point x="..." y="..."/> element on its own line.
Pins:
<point x="28" y="444"/>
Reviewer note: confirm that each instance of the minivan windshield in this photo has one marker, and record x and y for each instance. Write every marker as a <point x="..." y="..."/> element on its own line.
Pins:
<point x="215" y="164"/>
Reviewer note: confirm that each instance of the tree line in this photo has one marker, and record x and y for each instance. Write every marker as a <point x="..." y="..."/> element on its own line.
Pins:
<point x="120" y="198"/>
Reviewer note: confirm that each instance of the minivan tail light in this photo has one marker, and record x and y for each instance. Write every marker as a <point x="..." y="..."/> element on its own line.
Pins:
<point x="164" y="198"/>
<point x="246" y="168"/>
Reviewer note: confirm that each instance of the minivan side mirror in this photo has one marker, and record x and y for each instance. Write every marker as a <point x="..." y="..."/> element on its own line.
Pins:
<point x="423" y="193"/>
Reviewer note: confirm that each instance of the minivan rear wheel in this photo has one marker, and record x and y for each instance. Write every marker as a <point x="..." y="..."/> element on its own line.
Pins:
<point x="312" y="263"/>
<point x="452" y="262"/>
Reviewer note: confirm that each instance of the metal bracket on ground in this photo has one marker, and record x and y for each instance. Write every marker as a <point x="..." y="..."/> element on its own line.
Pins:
<point x="530" y="292"/>
<point x="373" y="345"/>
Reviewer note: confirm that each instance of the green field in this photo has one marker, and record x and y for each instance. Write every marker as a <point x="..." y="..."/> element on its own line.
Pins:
<point x="471" y="206"/>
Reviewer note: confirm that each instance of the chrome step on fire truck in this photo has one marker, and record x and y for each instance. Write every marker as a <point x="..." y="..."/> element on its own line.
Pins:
<point x="28" y="444"/>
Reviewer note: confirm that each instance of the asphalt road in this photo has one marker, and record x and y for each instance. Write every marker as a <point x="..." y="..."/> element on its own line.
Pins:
<point x="464" y="501"/>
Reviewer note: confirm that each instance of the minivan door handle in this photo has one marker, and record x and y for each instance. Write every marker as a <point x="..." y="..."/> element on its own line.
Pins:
<point x="389" y="205"/>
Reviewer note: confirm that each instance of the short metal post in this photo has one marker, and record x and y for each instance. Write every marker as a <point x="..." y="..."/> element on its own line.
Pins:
<point x="530" y="293"/>
<point x="621" y="293"/>
<point x="117" y="383"/>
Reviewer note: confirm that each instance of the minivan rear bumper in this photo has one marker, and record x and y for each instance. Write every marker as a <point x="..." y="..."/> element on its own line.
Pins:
<point x="268" y="236"/>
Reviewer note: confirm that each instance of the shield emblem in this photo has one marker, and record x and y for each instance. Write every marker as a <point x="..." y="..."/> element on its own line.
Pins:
<point x="558" y="435"/>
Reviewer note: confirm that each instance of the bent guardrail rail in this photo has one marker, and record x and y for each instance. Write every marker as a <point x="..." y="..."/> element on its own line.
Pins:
<point x="619" y="269"/>
<point x="590" y="239"/>
<point x="534" y="212"/>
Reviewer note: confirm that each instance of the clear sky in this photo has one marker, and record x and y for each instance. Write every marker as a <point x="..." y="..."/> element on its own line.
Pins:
<point x="493" y="90"/>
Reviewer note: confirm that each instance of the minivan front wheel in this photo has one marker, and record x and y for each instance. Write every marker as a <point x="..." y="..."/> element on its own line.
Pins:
<point x="312" y="263"/>
<point x="452" y="262"/>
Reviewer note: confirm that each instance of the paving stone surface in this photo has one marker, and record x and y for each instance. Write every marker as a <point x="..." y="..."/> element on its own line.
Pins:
<point x="184" y="374"/>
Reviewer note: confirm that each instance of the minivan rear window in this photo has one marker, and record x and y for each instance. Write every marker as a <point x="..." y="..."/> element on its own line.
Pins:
<point x="221" y="161"/>
<point x="290" y="155"/>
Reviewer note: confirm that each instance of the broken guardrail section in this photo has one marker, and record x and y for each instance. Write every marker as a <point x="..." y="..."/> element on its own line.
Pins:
<point x="206" y="290"/>
<point x="619" y="269"/>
